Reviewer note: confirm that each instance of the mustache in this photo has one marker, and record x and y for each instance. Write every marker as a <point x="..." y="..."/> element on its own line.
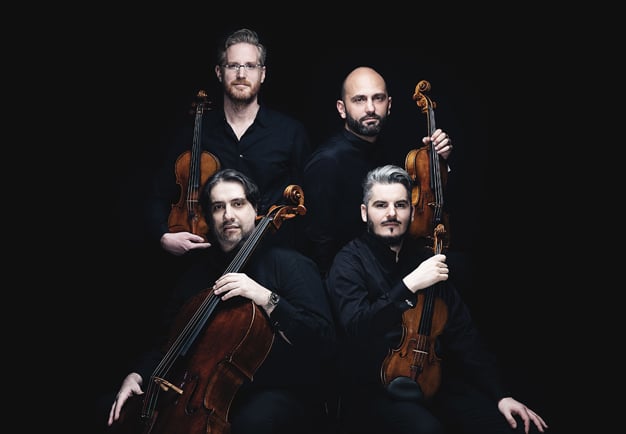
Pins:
<point x="369" y="117"/>
<point x="230" y="225"/>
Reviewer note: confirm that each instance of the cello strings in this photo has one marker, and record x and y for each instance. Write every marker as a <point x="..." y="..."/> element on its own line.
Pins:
<point x="194" y="326"/>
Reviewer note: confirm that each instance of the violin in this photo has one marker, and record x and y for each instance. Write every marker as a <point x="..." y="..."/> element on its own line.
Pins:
<point x="215" y="346"/>
<point x="413" y="368"/>
<point x="414" y="362"/>
<point x="193" y="168"/>
<point x="429" y="173"/>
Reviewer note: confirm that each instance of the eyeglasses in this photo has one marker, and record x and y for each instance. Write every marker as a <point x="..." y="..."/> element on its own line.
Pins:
<point x="237" y="66"/>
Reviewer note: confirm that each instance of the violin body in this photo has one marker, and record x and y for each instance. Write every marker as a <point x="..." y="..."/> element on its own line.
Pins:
<point x="429" y="173"/>
<point x="427" y="205"/>
<point x="193" y="168"/>
<point x="415" y="361"/>
<point x="186" y="214"/>
<point x="415" y="358"/>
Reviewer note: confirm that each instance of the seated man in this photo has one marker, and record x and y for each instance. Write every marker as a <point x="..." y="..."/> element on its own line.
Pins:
<point x="283" y="395"/>
<point x="374" y="281"/>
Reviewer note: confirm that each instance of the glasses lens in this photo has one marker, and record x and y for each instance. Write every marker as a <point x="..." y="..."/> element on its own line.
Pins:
<point x="237" y="66"/>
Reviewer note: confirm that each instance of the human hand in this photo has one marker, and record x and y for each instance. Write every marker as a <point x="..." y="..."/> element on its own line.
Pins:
<point x="441" y="141"/>
<point x="179" y="243"/>
<point x="432" y="270"/>
<point x="130" y="386"/>
<point x="239" y="284"/>
<point x="509" y="407"/>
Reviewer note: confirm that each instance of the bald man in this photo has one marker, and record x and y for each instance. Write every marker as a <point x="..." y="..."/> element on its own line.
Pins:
<point x="334" y="173"/>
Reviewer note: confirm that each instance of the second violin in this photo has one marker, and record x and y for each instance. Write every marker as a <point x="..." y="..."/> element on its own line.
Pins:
<point x="193" y="168"/>
<point x="429" y="173"/>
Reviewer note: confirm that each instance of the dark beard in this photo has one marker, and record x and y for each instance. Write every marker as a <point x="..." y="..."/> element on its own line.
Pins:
<point x="366" y="130"/>
<point x="235" y="247"/>
<point x="393" y="241"/>
<point x="388" y="240"/>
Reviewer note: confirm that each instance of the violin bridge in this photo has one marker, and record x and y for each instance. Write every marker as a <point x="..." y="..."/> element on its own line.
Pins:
<point x="166" y="385"/>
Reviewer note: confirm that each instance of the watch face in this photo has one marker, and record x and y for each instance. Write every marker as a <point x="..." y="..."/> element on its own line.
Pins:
<point x="274" y="298"/>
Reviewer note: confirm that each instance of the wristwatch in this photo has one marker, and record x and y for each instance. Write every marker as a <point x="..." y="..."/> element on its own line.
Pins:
<point x="272" y="300"/>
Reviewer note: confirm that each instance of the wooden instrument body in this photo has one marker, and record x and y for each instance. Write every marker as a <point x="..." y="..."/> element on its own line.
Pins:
<point x="229" y="351"/>
<point x="214" y="347"/>
<point x="193" y="168"/>
<point x="186" y="214"/>
<point x="415" y="358"/>
<point x="427" y="203"/>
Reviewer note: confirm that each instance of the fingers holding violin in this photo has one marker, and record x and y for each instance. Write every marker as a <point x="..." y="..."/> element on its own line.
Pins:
<point x="441" y="142"/>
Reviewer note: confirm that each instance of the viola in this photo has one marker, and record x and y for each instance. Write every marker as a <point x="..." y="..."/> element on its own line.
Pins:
<point x="193" y="168"/>
<point x="215" y="346"/>
<point x="429" y="173"/>
<point x="414" y="362"/>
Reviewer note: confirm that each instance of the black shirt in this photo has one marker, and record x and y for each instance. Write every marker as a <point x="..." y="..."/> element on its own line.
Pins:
<point x="368" y="297"/>
<point x="272" y="152"/>
<point x="302" y="314"/>
<point x="333" y="179"/>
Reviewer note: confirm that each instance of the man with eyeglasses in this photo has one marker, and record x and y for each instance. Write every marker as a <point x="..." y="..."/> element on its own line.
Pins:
<point x="268" y="146"/>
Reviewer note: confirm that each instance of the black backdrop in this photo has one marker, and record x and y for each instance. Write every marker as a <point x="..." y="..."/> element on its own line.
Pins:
<point x="153" y="78"/>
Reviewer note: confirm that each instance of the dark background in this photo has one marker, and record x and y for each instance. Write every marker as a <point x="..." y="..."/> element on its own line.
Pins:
<point x="150" y="79"/>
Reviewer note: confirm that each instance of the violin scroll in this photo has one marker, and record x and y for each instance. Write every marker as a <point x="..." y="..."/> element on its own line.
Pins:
<point x="415" y="361"/>
<point x="429" y="174"/>
<point x="201" y="103"/>
<point x="295" y="194"/>
<point x="421" y="99"/>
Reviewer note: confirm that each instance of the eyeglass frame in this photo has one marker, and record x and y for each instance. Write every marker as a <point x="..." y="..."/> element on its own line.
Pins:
<point x="248" y="67"/>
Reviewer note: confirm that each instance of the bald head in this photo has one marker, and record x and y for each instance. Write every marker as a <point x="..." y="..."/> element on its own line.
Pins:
<point x="363" y="80"/>
<point x="365" y="103"/>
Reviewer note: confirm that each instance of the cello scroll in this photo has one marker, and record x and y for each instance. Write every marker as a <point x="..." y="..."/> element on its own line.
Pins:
<point x="215" y="346"/>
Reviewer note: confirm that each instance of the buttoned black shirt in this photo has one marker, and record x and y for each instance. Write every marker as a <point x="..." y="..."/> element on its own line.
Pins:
<point x="272" y="152"/>
<point x="369" y="298"/>
<point x="302" y="314"/>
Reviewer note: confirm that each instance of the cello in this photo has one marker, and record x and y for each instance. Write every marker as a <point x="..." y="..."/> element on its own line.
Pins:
<point x="217" y="345"/>
<point x="193" y="168"/>
<point x="413" y="368"/>
<point x="429" y="173"/>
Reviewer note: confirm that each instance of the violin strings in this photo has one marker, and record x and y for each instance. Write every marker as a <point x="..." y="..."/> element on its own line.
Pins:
<point x="194" y="178"/>
<point x="435" y="168"/>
